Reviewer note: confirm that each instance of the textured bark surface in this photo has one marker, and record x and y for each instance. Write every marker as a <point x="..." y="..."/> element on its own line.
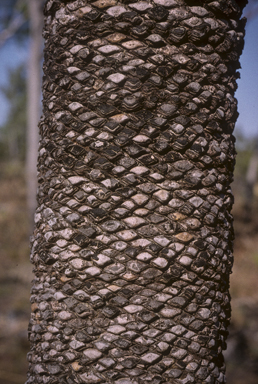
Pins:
<point x="133" y="241"/>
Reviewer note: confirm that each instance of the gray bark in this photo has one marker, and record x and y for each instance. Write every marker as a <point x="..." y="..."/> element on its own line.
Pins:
<point x="132" y="249"/>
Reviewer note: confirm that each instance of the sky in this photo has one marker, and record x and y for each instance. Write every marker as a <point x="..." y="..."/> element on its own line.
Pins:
<point x="12" y="54"/>
<point x="247" y="92"/>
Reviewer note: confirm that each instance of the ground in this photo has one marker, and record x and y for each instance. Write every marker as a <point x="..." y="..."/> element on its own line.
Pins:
<point x="16" y="275"/>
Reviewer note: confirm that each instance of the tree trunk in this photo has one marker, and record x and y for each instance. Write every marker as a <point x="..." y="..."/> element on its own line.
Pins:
<point x="133" y="241"/>
<point x="33" y="103"/>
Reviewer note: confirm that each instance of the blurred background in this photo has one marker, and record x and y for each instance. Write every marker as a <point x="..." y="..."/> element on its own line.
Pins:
<point x="20" y="75"/>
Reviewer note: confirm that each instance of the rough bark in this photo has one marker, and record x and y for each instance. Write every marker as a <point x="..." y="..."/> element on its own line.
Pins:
<point x="133" y="241"/>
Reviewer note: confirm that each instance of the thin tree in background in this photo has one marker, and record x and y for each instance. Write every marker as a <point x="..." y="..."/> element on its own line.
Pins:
<point x="13" y="131"/>
<point x="33" y="104"/>
<point x="132" y="249"/>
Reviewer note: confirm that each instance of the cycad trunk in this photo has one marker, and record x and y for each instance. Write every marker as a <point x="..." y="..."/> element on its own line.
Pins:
<point x="133" y="241"/>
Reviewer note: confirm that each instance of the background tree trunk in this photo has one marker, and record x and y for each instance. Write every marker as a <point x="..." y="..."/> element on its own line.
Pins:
<point x="251" y="178"/>
<point x="133" y="242"/>
<point x="33" y="101"/>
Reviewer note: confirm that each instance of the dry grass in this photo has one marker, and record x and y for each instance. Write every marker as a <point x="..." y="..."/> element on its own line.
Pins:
<point x="15" y="275"/>
<point x="242" y="353"/>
